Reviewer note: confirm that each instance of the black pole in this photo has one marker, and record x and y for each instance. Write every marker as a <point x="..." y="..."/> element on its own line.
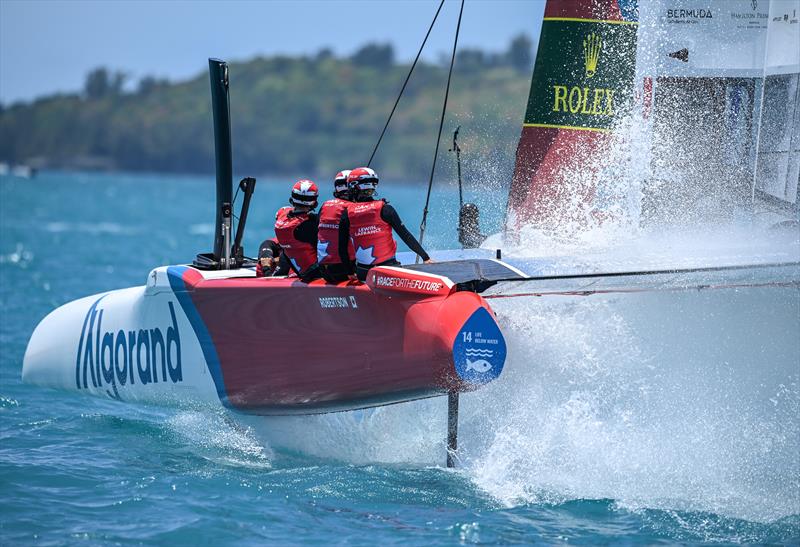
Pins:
<point x="452" y="427"/>
<point x="220" y="106"/>
<point x="457" y="150"/>
<point x="248" y="186"/>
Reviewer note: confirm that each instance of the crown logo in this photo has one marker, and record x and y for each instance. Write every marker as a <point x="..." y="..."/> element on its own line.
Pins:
<point x="592" y="45"/>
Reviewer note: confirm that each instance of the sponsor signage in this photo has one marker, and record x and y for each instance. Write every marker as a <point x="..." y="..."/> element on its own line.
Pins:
<point x="688" y="16"/>
<point x="416" y="285"/>
<point x="406" y="281"/>
<point x="583" y="75"/>
<point x="337" y="302"/>
<point x="107" y="359"/>
<point x="479" y="351"/>
<point x="702" y="38"/>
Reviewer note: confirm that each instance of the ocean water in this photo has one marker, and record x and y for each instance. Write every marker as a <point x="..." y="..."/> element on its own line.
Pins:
<point x="583" y="440"/>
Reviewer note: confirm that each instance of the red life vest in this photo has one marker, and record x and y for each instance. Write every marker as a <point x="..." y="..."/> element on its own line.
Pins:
<point x="302" y="255"/>
<point x="371" y="235"/>
<point x="330" y="215"/>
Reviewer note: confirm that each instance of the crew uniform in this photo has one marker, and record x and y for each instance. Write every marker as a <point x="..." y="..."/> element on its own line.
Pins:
<point x="296" y="231"/>
<point x="369" y="224"/>
<point x="335" y="251"/>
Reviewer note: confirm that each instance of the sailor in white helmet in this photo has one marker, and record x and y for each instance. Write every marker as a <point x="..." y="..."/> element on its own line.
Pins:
<point x="335" y="251"/>
<point x="370" y="222"/>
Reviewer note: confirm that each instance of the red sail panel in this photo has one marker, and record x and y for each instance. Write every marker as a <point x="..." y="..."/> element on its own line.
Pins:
<point x="582" y="85"/>
<point x="585" y="9"/>
<point x="546" y="183"/>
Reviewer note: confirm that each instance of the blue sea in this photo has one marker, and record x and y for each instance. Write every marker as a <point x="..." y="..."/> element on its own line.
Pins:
<point x="541" y="465"/>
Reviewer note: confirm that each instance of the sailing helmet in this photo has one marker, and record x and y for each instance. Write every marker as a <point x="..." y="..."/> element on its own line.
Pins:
<point x="362" y="179"/>
<point x="304" y="194"/>
<point x="340" y="183"/>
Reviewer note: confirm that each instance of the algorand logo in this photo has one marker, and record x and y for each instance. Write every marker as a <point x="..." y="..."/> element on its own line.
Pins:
<point x="592" y="45"/>
<point x="106" y="358"/>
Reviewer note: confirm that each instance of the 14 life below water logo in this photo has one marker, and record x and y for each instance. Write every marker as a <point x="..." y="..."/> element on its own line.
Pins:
<point x="115" y="359"/>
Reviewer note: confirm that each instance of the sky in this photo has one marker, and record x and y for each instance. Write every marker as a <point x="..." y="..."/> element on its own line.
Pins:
<point x="48" y="46"/>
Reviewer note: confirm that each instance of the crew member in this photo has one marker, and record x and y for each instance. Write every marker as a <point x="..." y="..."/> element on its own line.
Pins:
<point x="271" y="260"/>
<point x="370" y="222"/>
<point x="296" y="230"/>
<point x="335" y="251"/>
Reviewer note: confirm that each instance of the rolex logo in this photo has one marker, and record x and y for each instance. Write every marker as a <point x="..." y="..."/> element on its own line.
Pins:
<point x="592" y="45"/>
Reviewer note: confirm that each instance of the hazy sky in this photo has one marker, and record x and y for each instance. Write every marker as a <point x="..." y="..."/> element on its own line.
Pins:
<point x="49" y="45"/>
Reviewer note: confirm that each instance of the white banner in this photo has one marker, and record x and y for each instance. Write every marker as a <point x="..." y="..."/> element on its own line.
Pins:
<point x="702" y="37"/>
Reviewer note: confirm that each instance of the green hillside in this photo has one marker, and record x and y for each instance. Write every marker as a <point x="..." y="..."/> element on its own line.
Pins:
<point x="303" y="116"/>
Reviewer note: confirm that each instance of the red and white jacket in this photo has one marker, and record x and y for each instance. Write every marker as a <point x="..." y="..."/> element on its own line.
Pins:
<point x="371" y="235"/>
<point x="302" y="255"/>
<point x="330" y="217"/>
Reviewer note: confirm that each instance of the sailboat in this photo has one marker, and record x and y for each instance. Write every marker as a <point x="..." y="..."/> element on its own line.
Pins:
<point x="204" y="333"/>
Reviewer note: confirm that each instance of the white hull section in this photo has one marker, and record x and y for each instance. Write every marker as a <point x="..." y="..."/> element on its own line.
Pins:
<point x="134" y="345"/>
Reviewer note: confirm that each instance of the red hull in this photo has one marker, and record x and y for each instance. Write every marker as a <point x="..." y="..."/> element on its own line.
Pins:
<point x="286" y="347"/>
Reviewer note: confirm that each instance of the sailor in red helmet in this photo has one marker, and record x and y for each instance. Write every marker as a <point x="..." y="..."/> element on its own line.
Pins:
<point x="296" y="230"/>
<point x="370" y="222"/>
<point x="335" y="251"/>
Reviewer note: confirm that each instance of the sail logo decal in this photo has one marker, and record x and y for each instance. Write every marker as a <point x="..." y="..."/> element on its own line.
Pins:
<point x="479" y="351"/>
<point x="584" y="74"/>
<point x="577" y="100"/>
<point x="596" y="101"/>
<point x="110" y="359"/>
<point x="592" y="45"/>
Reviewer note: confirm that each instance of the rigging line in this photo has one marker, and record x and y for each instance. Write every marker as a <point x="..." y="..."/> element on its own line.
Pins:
<point x="402" y="89"/>
<point x="439" y="134"/>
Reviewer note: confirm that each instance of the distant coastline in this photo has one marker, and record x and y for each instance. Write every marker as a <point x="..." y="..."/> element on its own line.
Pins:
<point x="310" y="115"/>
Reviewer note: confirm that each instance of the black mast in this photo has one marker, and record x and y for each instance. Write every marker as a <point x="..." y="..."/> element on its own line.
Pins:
<point x="220" y="104"/>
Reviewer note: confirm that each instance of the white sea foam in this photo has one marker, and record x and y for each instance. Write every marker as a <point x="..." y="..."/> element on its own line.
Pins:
<point x="603" y="398"/>
<point x="686" y="401"/>
<point x="20" y="256"/>
<point x="220" y="439"/>
<point x="597" y="402"/>
<point x="92" y="228"/>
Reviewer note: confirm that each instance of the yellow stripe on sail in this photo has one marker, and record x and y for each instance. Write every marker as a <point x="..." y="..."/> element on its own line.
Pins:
<point x="578" y="128"/>
<point x="579" y="20"/>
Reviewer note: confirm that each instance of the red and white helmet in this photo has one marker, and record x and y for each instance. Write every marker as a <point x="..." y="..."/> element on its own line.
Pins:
<point x="362" y="178"/>
<point x="340" y="182"/>
<point x="304" y="193"/>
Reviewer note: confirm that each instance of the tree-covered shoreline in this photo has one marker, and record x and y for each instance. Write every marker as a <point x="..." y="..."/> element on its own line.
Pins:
<point x="311" y="115"/>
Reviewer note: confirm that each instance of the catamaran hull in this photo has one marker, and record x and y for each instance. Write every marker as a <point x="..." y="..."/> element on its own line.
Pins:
<point x="269" y="346"/>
